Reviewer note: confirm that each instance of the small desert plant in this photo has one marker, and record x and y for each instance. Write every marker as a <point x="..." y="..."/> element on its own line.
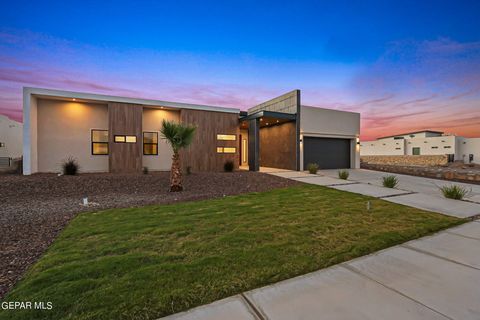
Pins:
<point x="312" y="168"/>
<point x="390" y="181"/>
<point x="228" y="166"/>
<point x="145" y="170"/>
<point x="454" y="192"/>
<point x="343" y="174"/>
<point x="189" y="170"/>
<point x="70" y="166"/>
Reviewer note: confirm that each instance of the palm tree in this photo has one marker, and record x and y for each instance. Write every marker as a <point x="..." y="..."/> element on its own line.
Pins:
<point x="179" y="136"/>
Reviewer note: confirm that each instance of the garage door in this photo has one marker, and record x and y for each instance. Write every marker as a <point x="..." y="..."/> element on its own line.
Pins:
<point x="328" y="153"/>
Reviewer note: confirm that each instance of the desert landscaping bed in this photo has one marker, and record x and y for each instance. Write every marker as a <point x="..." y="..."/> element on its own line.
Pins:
<point x="34" y="209"/>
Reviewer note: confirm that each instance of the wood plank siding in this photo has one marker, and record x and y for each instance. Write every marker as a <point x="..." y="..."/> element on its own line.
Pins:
<point x="278" y="146"/>
<point x="202" y="154"/>
<point x="125" y="119"/>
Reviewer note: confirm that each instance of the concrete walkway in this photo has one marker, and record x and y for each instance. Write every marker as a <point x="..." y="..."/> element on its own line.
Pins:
<point x="436" y="277"/>
<point x="419" y="192"/>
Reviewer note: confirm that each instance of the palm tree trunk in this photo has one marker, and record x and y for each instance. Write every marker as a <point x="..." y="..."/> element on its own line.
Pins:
<point x="176" y="173"/>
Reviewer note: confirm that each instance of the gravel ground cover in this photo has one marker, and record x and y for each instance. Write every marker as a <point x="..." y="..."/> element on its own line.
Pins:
<point x="34" y="209"/>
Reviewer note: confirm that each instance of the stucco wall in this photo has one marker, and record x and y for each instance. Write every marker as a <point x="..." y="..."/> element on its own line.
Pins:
<point x="432" y="145"/>
<point x="10" y="135"/>
<point x="425" y="161"/>
<point x="469" y="146"/>
<point x="382" y="147"/>
<point x="64" y="129"/>
<point x="152" y="121"/>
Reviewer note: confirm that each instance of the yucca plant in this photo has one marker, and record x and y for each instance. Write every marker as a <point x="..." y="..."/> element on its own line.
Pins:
<point x="70" y="166"/>
<point x="343" y="174"/>
<point x="454" y="192"/>
<point x="312" y="168"/>
<point x="178" y="136"/>
<point x="390" y="181"/>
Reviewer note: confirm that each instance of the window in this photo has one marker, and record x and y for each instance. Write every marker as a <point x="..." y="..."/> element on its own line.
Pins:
<point x="226" y="149"/>
<point x="416" y="151"/>
<point x="447" y="147"/>
<point x="2" y="145"/>
<point x="99" y="142"/>
<point x="398" y="148"/>
<point x="229" y="137"/>
<point x="150" y="143"/>
<point x="434" y="147"/>
<point x="125" y="139"/>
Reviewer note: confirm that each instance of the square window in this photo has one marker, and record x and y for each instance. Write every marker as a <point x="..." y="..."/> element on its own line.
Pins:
<point x="150" y="143"/>
<point x="99" y="148"/>
<point x="99" y="142"/>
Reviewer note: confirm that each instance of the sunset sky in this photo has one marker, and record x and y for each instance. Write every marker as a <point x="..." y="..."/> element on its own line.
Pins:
<point x="403" y="65"/>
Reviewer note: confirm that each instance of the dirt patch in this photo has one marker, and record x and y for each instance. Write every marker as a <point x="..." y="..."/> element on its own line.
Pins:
<point x="34" y="209"/>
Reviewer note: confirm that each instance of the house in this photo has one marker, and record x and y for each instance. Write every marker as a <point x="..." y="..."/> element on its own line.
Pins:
<point x="425" y="142"/>
<point x="10" y="141"/>
<point x="122" y="135"/>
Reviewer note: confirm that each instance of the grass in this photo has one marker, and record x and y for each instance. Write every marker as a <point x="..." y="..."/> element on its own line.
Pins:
<point x="149" y="262"/>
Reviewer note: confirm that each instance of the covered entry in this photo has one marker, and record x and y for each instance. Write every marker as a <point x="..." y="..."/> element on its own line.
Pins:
<point x="328" y="153"/>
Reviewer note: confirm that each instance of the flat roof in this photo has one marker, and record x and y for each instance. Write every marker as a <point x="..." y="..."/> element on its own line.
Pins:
<point x="52" y="93"/>
<point x="413" y="132"/>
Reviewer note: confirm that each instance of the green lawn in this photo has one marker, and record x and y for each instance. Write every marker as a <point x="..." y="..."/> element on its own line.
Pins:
<point x="149" y="262"/>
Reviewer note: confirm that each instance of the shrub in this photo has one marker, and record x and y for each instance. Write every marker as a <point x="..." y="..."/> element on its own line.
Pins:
<point x="343" y="174"/>
<point x="390" y="181"/>
<point x="70" y="166"/>
<point x="312" y="168"/>
<point x="145" y="170"/>
<point x="454" y="192"/>
<point x="228" y="166"/>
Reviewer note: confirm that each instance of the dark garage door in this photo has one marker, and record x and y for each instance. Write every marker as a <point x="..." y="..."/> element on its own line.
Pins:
<point x="328" y="153"/>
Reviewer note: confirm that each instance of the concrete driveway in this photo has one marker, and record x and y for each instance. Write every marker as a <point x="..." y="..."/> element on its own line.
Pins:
<point x="436" y="277"/>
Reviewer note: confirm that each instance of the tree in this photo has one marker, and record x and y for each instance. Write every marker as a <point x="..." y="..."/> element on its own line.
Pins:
<point x="178" y="136"/>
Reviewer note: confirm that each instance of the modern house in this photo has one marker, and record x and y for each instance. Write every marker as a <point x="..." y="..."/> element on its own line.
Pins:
<point x="10" y="141"/>
<point x="426" y="142"/>
<point x="120" y="134"/>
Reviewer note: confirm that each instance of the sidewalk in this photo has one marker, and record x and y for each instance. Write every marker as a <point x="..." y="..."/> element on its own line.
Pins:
<point x="436" y="277"/>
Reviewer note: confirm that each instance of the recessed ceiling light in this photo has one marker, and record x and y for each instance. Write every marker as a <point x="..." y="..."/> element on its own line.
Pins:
<point x="74" y="99"/>
<point x="261" y="119"/>
<point x="267" y="123"/>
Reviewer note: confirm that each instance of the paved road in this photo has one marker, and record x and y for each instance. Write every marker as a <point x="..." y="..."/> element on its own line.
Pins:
<point x="436" y="277"/>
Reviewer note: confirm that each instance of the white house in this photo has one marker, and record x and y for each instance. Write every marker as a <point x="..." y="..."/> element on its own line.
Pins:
<point x="10" y="140"/>
<point x="425" y="142"/>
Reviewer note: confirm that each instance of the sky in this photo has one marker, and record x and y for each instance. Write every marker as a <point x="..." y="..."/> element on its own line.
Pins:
<point x="404" y="65"/>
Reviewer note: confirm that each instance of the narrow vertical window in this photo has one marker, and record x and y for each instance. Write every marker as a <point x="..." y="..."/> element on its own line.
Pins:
<point x="99" y="142"/>
<point x="150" y="143"/>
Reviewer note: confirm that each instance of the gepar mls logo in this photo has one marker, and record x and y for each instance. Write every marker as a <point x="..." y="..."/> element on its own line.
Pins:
<point x="27" y="305"/>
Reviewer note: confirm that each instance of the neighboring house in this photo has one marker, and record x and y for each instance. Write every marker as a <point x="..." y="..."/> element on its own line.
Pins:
<point x="10" y="140"/>
<point x="119" y="134"/>
<point x="425" y="142"/>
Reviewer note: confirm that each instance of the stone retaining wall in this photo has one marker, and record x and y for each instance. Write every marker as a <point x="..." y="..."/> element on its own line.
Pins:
<point x="437" y="173"/>
<point x="421" y="161"/>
